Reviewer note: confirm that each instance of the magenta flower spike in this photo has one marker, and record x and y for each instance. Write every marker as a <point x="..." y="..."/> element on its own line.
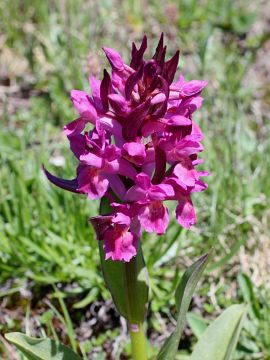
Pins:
<point x="142" y="149"/>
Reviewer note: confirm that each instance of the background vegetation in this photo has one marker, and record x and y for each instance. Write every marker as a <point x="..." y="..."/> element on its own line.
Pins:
<point x="50" y="278"/>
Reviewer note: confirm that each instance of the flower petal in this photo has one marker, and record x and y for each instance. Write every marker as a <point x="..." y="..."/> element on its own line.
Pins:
<point x="117" y="185"/>
<point x="75" y="127"/>
<point x="95" y="88"/>
<point x="199" y="186"/>
<point x="136" y="193"/>
<point x="159" y="98"/>
<point x="111" y="125"/>
<point x="121" y="167"/>
<point x="114" y="58"/>
<point x="178" y="120"/>
<point x="120" y="244"/>
<point x="185" y="174"/>
<point x="91" y="182"/>
<point x="143" y="180"/>
<point x="135" y="120"/>
<point x="82" y="102"/>
<point x="118" y="103"/>
<point x="154" y="217"/>
<point x="77" y="144"/>
<point x="161" y="192"/>
<point x="193" y="87"/>
<point x="121" y="219"/>
<point x="91" y="160"/>
<point x="185" y="213"/>
<point x="105" y="89"/>
<point x="134" y="152"/>
<point x="132" y="81"/>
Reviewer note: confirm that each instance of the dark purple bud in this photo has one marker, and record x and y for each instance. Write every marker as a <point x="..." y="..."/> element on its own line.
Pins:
<point x="170" y="67"/>
<point x="150" y="68"/>
<point x="162" y="57"/>
<point x="134" y="120"/>
<point x="70" y="185"/>
<point x="160" y="169"/>
<point x="159" y="47"/>
<point x="105" y="89"/>
<point x="137" y="55"/>
<point x="160" y="53"/>
<point x="133" y="50"/>
<point x="132" y="81"/>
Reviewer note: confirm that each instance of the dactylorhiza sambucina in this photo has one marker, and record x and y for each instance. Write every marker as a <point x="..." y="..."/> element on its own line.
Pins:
<point x="142" y="149"/>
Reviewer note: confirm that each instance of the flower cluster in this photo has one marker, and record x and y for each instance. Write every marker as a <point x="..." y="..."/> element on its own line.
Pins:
<point x="141" y="150"/>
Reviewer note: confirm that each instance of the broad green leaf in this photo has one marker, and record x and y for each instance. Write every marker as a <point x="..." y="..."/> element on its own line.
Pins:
<point x="219" y="340"/>
<point x="183" y="296"/>
<point x="196" y="323"/>
<point x="41" y="349"/>
<point x="117" y="279"/>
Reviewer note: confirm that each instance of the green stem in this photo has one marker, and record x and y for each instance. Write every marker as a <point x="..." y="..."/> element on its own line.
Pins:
<point x="136" y="291"/>
<point x="138" y="343"/>
<point x="137" y="336"/>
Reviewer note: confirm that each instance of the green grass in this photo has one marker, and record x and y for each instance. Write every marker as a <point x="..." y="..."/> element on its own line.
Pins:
<point x="45" y="237"/>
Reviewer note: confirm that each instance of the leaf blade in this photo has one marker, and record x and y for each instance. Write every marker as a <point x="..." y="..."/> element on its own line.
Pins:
<point x="183" y="296"/>
<point x="219" y="340"/>
<point x="41" y="349"/>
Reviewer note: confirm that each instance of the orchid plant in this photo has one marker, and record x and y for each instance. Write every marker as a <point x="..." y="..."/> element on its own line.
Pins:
<point x="138" y="146"/>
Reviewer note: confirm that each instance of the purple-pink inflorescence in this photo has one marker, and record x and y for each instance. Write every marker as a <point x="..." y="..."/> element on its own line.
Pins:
<point x="143" y="147"/>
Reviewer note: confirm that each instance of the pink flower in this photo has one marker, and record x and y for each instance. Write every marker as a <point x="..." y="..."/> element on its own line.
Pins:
<point x="120" y="244"/>
<point x="143" y="147"/>
<point x="148" y="198"/>
<point x="119" y="232"/>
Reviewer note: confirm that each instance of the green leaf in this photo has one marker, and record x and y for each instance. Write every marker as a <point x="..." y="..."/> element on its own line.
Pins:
<point x="41" y="349"/>
<point x="219" y="340"/>
<point x="118" y="279"/>
<point x="183" y="296"/>
<point x="196" y="323"/>
<point x="246" y="287"/>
